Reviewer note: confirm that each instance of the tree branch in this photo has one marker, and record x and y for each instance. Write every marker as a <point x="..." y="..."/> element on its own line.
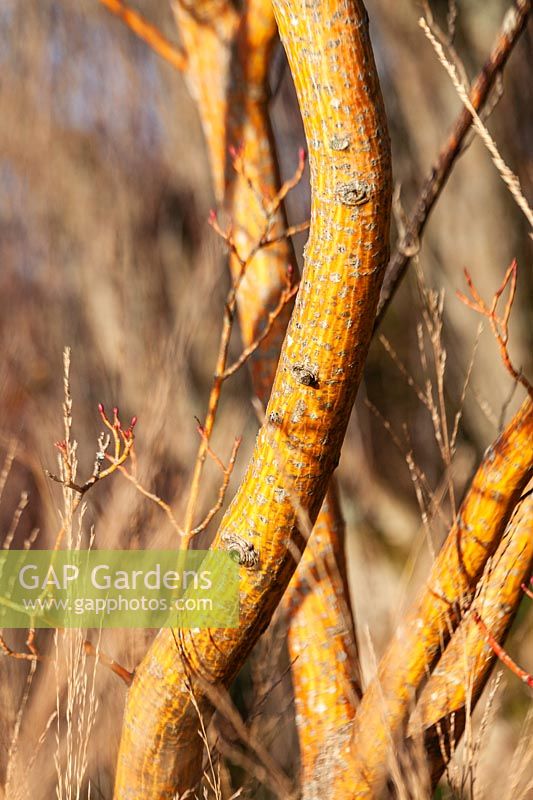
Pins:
<point x="425" y="629"/>
<point x="299" y="444"/>
<point x="513" y="25"/>
<point x="465" y="666"/>
<point x="148" y="33"/>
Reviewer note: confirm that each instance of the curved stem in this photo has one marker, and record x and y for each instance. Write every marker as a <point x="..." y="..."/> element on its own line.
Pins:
<point x="320" y="367"/>
<point x="328" y="662"/>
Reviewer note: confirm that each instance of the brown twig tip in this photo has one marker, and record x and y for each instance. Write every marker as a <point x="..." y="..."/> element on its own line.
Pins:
<point x="527" y="590"/>
<point x="498" y="323"/>
<point x="123" y="440"/>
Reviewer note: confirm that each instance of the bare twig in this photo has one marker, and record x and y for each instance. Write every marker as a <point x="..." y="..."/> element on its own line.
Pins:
<point x="165" y="507"/>
<point x="446" y="38"/>
<point x="223" y="487"/>
<point x="270" y="206"/>
<point x="123" y="440"/>
<point x="502" y="654"/>
<point x="499" y="324"/>
<point x="513" y="25"/>
<point x="148" y="33"/>
<point x="31" y="655"/>
<point x="285" y="298"/>
<point x="34" y="655"/>
<point x="509" y="178"/>
<point x="108" y="662"/>
<point x="289" y="184"/>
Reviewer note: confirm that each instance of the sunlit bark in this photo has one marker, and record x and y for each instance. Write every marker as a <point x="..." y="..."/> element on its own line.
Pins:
<point x="420" y="637"/>
<point x="466" y="664"/>
<point x="320" y="367"/>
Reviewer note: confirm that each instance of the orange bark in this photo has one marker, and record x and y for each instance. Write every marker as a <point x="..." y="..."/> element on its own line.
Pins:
<point x="207" y="30"/>
<point x="466" y="664"/>
<point x="320" y="631"/>
<point x="320" y="367"/>
<point x="323" y="653"/>
<point x="383" y="713"/>
<point x="227" y="74"/>
<point x="234" y="110"/>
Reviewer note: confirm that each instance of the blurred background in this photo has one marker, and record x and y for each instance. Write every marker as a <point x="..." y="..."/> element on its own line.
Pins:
<point x="105" y="191"/>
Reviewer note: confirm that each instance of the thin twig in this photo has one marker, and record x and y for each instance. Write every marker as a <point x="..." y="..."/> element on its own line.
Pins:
<point x="32" y="655"/>
<point x="123" y="443"/>
<point x="499" y="324"/>
<point x="509" y="178"/>
<point x="513" y="25"/>
<point x="108" y="662"/>
<point x="502" y="654"/>
<point x="165" y="507"/>
<point x="270" y="207"/>
<point x="292" y="230"/>
<point x="285" y="298"/>
<point x="446" y="38"/>
<point x="221" y="492"/>
<point x="148" y="33"/>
